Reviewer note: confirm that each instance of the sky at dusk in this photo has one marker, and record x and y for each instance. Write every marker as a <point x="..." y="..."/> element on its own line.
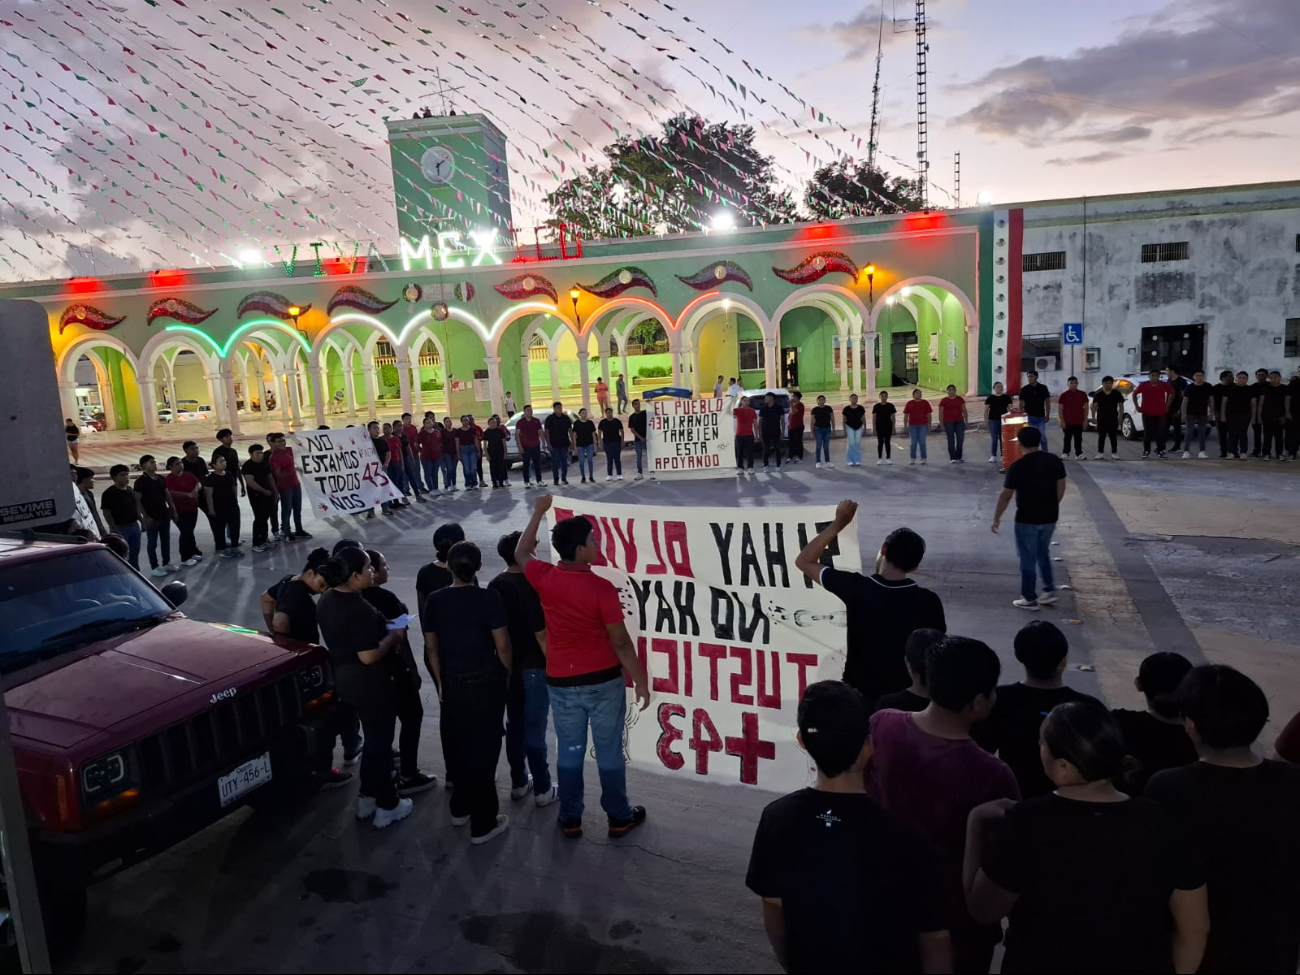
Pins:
<point x="140" y="134"/>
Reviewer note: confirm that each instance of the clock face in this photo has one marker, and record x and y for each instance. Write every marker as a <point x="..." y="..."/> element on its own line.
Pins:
<point x="438" y="165"/>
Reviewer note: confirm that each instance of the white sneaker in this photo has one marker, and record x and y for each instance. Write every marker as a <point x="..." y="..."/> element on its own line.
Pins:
<point x="912" y="462"/>
<point x="922" y="460"/>
<point x="881" y="462"/>
<point x="819" y="465"/>
<point x="1025" y="604"/>
<point x="888" y="462"/>
<point x="952" y="461"/>
<point x="620" y="477"/>
<point x="1201" y="455"/>
<point x="192" y="560"/>
<point x="549" y="796"/>
<point x="158" y="573"/>
<point x="1098" y="456"/>
<point x="386" y="817"/>
<point x="1186" y="455"/>
<point x="503" y="823"/>
<point x="829" y="464"/>
<point x="1114" y="456"/>
<point x="1047" y="599"/>
<point x="993" y="458"/>
<point x="766" y="469"/>
<point x="172" y="567"/>
<point x="365" y="807"/>
<point x="519" y="791"/>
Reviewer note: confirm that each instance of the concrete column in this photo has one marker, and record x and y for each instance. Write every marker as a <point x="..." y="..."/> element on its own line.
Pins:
<point x="584" y="378"/>
<point x="295" y="396"/>
<point x="496" y="391"/>
<point x="627" y="376"/>
<point x="675" y="355"/>
<point x="417" y="394"/>
<point x="855" y="367"/>
<point x="404" y="382"/>
<point x="555" y="374"/>
<point x="844" y="363"/>
<point x="316" y="378"/>
<point x="282" y="397"/>
<point x="869" y="386"/>
<point x="216" y="393"/>
<point x="68" y="401"/>
<point x="972" y="366"/>
<point x="372" y="389"/>
<point x="148" y="400"/>
<point x="693" y="354"/>
<point x="349" y="390"/>
<point x="232" y="403"/>
<point x="771" y="368"/>
<point x="525" y="394"/>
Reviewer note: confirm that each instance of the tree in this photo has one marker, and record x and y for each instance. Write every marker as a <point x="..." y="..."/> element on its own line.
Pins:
<point x="843" y="189"/>
<point x="648" y="332"/>
<point x="675" y="179"/>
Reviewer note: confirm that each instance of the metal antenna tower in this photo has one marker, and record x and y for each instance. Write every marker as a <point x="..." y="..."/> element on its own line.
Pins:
<point x="922" y="131"/>
<point x="874" y="138"/>
<point x="956" y="179"/>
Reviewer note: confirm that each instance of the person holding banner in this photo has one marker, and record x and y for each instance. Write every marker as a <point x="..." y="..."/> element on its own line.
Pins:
<point x="588" y="650"/>
<point x="745" y="416"/>
<point x="772" y="415"/>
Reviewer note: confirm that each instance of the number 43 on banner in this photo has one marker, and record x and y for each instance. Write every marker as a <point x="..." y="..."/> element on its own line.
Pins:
<point x="749" y="747"/>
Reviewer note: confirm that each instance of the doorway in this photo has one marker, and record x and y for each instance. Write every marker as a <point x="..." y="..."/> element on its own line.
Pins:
<point x="904" y="357"/>
<point x="790" y="367"/>
<point x="1182" y="346"/>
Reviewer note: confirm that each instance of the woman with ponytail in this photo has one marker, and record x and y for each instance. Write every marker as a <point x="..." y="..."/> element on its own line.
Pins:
<point x="370" y="676"/>
<point x="467" y="647"/>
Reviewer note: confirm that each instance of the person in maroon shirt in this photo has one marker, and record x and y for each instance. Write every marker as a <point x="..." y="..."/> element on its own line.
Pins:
<point x="529" y="431"/>
<point x="428" y="440"/>
<point x="795" y="426"/>
<point x="396" y="469"/>
<point x="1072" y="408"/>
<point x="1152" y="398"/>
<point x="952" y="411"/>
<point x="411" y="457"/>
<point x="287" y="483"/>
<point x="450" y="454"/>
<point x="467" y="437"/>
<point x="745" y="416"/>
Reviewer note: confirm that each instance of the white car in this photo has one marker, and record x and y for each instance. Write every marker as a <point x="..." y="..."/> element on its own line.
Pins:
<point x="166" y="416"/>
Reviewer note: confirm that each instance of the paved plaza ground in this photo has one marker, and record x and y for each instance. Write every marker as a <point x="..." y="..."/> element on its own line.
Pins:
<point x="1202" y="557"/>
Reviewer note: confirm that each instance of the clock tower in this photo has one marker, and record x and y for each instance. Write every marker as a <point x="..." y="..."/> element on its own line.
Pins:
<point x="449" y="173"/>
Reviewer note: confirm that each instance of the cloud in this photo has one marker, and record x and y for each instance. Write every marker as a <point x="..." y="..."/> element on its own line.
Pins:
<point x="1199" y="134"/>
<point x="1125" y="133"/>
<point x="861" y="35"/>
<point x="1219" y="64"/>
<point x="1090" y="160"/>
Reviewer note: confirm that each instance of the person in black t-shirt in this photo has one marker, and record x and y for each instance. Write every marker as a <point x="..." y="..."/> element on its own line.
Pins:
<point x="1221" y="390"/>
<point x="382" y="450"/>
<point x="221" y="489"/>
<point x="295" y="605"/>
<point x="158" y="513"/>
<point x="1037" y="482"/>
<point x="845" y="885"/>
<point x="882" y="419"/>
<point x="1256" y="425"/>
<point x="1242" y="811"/>
<point x="771" y="416"/>
<point x="1270" y="413"/>
<point x="1036" y="401"/>
<point x="1011" y="730"/>
<point x="121" y="507"/>
<point x="883" y="608"/>
<point x="636" y="423"/>
<point x="823" y="429"/>
<point x="494" y="438"/>
<point x="1238" y="411"/>
<point x="1155" y="739"/>
<point x="559" y="438"/>
<point x="527" y="696"/>
<point x="1293" y="416"/>
<point x="915" y="697"/>
<point x="1198" y="410"/>
<point x="262" y="495"/>
<point x="435" y="575"/>
<point x="584" y="438"/>
<point x="855" y="418"/>
<point x="467" y="646"/>
<point x="1107" y="406"/>
<point x="224" y="449"/>
<point x="995" y="408"/>
<point x="1091" y="880"/>
<point x="1174" y="414"/>
<point x="611" y="439"/>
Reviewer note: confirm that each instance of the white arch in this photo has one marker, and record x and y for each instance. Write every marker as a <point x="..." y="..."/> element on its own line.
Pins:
<point x="640" y="307"/>
<point x="693" y="314"/>
<point x="351" y="318"/>
<point x="455" y="314"/>
<point x="968" y="310"/>
<point x="839" y="303"/>
<point x="518" y="311"/>
<point x="83" y="343"/>
<point x="164" y="340"/>
<point x="424" y="334"/>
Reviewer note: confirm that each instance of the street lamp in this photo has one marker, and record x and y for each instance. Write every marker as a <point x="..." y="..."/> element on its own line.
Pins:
<point x="870" y="270"/>
<point x="573" y="293"/>
<point x="724" y="220"/>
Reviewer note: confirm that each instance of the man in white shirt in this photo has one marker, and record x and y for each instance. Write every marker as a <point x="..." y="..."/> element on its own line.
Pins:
<point x="735" y="389"/>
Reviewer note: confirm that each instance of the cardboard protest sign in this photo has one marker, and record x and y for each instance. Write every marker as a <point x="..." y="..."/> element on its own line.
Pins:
<point x="729" y="630"/>
<point x="341" y="471"/>
<point x="688" y="436"/>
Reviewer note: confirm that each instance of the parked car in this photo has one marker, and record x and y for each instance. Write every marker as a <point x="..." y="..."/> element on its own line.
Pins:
<point x="1130" y="421"/>
<point x="135" y="727"/>
<point x="166" y="416"/>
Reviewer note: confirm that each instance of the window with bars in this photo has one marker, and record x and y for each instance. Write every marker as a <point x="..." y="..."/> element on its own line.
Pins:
<point x="1045" y="261"/>
<point x="1155" y="253"/>
<point x="1291" y="342"/>
<point x="751" y="356"/>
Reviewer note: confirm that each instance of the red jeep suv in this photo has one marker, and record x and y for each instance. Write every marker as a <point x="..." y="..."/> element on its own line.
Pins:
<point x="134" y="727"/>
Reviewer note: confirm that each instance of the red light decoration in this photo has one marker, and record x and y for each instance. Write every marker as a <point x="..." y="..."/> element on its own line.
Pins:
<point x="84" y="286"/>
<point x="923" y="221"/>
<point x="167" y="278"/>
<point x="677" y="325"/>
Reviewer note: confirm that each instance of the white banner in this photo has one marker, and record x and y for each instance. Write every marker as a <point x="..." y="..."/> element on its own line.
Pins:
<point x="341" y="471"/>
<point x="729" y="630"/>
<point x="688" y="436"/>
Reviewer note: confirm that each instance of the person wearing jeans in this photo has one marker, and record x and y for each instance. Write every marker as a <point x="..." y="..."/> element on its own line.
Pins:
<point x="559" y="436"/>
<point x="917" y="411"/>
<point x="584" y="438"/>
<point x="745" y="416"/>
<point x="611" y="439"/>
<point x="855" y="418"/>
<point x="1037" y="483"/>
<point x="952" y="411"/>
<point x="1036" y="401"/>
<point x="156" y="510"/>
<point x="1198" y="404"/>
<point x="184" y="489"/>
<point x="288" y="484"/>
<point x="428" y="443"/>
<point x="995" y="407"/>
<point x="823" y="427"/>
<point x="588" y="650"/>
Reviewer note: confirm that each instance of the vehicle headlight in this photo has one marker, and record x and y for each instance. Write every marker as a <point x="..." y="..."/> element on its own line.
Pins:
<point x="101" y="775"/>
<point x="311" y="680"/>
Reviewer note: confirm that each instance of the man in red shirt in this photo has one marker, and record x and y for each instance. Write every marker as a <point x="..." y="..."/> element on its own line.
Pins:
<point x="588" y="649"/>
<point x="1152" y="398"/>
<point x="918" y="412"/>
<point x="529" y="431"/>
<point x="1072" y="405"/>
<point x="745" y="416"/>
<point x="428" y="440"/>
<point x="285" y="470"/>
<point x="952" y="411"/>
<point x="450" y="454"/>
<point x="795" y="428"/>
<point x="411" y="457"/>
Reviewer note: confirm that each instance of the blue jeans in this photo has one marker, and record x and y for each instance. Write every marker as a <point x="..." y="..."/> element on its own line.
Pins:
<point x="614" y="459"/>
<point x="162" y="528"/>
<point x="412" y="465"/>
<point x="956" y="433"/>
<point x="532" y="462"/>
<point x="291" y="504"/>
<point x="1039" y="423"/>
<point x="639" y="447"/>
<point x="587" y="460"/>
<point x="430" y="474"/>
<point x="853" y="451"/>
<point x="527" y="703"/>
<point x="397" y="474"/>
<point x="604" y="707"/>
<point x="995" y="438"/>
<point x="916" y="433"/>
<point x="1034" y="546"/>
<point x="1198" y="427"/>
<point x="449" y="472"/>
<point x="131" y="533"/>
<point x="560" y="463"/>
<point x="469" y="464"/>
<point x="822" y="435"/>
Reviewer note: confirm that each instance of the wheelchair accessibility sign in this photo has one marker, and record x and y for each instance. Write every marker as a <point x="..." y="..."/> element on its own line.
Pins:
<point x="1072" y="333"/>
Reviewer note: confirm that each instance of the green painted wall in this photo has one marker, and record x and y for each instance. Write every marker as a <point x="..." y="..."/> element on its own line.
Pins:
<point x="811" y="331"/>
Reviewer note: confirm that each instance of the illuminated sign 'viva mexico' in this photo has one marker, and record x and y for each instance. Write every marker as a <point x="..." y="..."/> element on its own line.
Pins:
<point x="450" y="251"/>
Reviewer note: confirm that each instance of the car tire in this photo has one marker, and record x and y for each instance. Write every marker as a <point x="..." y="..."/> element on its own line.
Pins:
<point x="1126" y="428"/>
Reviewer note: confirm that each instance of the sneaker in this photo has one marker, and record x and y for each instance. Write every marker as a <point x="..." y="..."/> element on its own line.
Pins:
<point x="549" y="796"/>
<point x="158" y="572"/>
<point x="572" y="828"/>
<point x="584" y="479"/>
<point x="620" y="477"/>
<point x="503" y="823"/>
<point x="953" y="461"/>
<point x="1160" y="455"/>
<point x="912" y="462"/>
<point x="1242" y="457"/>
<point x="740" y="472"/>
<point x="993" y="458"/>
<point x="1114" y="455"/>
<point x="1146" y="455"/>
<point x="386" y="817"/>
<point x="352" y="759"/>
<point x="888" y="462"/>
<point x="1201" y="455"/>
<point x="829" y="464"/>
<point x="259" y="548"/>
<point x="365" y="807"/>
<point x="609" y="477"/>
<point x="768" y="470"/>
<point x="1187" y="455"/>
<point x="171" y="567"/>
<point x="564" y="481"/>
<point x="227" y="553"/>
<point x="922" y="460"/>
<point x="527" y="485"/>
<point x="638" y="477"/>
<point x="421" y="499"/>
<point x="819" y="465"/>
<point x="409" y="785"/>
<point x="302" y="534"/>
<point x="621" y="827"/>
<point x="237" y="553"/>
<point x="1098" y="456"/>
<point x="459" y="820"/>
<point x="334" y="778"/>
<point x="192" y="560"/>
<point x="881" y="462"/>
<point x="1028" y="604"/>
<point x="519" y="791"/>
<point x="1078" y="456"/>
<point x="1047" y="599"/>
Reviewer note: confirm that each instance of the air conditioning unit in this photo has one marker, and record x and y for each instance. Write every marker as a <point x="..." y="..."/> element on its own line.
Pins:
<point x="1045" y="363"/>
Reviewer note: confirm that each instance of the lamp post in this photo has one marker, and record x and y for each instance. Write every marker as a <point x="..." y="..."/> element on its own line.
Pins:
<point x="573" y="293"/>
